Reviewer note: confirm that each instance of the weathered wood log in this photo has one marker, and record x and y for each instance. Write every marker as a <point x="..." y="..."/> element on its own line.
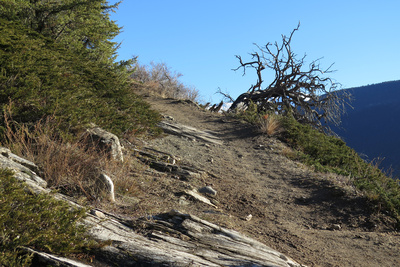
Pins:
<point x="45" y="259"/>
<point x="23" y="169"/>
<point x="190" y="132"/>
<point x="177" y="239"/>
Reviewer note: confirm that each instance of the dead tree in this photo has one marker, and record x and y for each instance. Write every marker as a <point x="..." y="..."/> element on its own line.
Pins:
<point x="303" y="91"/>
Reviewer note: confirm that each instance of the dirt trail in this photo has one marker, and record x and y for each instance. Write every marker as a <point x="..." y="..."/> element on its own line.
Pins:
<point x="316" y="219"/>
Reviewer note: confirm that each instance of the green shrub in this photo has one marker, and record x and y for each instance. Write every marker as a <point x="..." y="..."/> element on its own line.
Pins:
<point x="36" y="221"/>
<point x="251" y="114"/>
<point x="330" y="154"/>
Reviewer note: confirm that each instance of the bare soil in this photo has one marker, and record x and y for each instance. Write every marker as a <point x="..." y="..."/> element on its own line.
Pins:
<point x="316" y="219"/>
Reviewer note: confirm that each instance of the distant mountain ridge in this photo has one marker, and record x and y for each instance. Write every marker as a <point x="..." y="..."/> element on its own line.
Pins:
<point x="372" y="127"/>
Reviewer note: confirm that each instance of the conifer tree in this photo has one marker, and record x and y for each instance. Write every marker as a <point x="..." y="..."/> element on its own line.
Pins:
<point x="78" y="24"/>
<point x="57" y="59"/>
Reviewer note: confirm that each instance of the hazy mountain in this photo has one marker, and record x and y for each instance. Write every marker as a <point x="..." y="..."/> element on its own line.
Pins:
<point x="372" y="128"/>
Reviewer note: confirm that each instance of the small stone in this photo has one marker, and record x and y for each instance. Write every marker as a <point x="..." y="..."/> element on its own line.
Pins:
<point x="98" y="214"/>
<point x="259" y="147"/>
<point x="168" y="117"/>
<point x="336" y="227"/>
<point x="174" y="212"/>
<point x="283" y="257"/>
<point x="208" y="190"/>
<point x="215" y="202"/>
<point x="182" y="201"/>
<point x="249" y="217"/>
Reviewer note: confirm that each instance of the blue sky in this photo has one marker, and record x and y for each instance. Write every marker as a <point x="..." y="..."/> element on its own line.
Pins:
<point x="201" y="38"/>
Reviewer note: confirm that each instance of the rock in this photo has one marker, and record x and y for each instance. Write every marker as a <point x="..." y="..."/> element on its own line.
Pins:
<point x="182" y="173"/>
<point x="97" y="213"/>
<point x="30" y="165"/>
<point x="182" y="201"/>
<point x="336" y="227"/>
<point x="248" y="217"/>
<point x="190" y="132"/>
<point x="208" y="190"/>
<point x="23" y="170"/>
<point x="108" y="186"/>
<point x="199" y="197"/>
<point x="167" y="117"/>
<point x="106" y="141"/>
<point x="156" y="155"/>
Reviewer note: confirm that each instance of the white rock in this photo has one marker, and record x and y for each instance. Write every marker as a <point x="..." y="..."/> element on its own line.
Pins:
<point x="108" y="186"/>
<point x="249" y="217"/>
<point x="107" y="141"/>
<point x="208" y="190"/>
<point x="98" y="214"/>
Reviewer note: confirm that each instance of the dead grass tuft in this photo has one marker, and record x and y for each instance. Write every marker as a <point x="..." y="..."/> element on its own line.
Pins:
<point x="289" y="153"/>
<point x="70" y="166"/>
<point x="270" y="124"/>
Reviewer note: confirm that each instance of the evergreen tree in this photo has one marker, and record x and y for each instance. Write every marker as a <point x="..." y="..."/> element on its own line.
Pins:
<point x="78" y="24"/>
<point x="43" y="76"/>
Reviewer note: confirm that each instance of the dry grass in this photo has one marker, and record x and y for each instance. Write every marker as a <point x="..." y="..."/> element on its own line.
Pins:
<point x="159" y="80"/>
<point x="270" y="124"/>
<point x="72" y="167"/>
<point x="289" y="153"/>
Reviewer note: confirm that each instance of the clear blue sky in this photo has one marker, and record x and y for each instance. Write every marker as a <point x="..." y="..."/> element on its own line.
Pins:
<point x="201" y="38"/>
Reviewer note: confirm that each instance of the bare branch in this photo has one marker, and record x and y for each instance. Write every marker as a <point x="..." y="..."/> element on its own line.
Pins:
<point x="306" y="91"/>
<point x="225" y="95"/>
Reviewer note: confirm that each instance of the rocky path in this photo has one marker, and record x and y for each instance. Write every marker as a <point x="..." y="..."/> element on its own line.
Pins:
<point x="168" y="239"/>
<point x="317" y="219"/>
<point x="215" y="192"/>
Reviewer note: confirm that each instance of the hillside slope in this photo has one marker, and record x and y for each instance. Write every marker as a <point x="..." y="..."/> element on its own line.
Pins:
<point x="317" y="219"/>
<point x="372" y="127"/>
<point x="159" y="213"/>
